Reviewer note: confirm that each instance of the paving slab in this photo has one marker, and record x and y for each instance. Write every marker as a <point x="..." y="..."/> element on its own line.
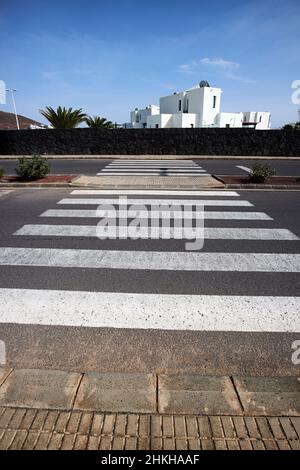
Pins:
<point x="51" y="389"/>
<point x="194" y="394"/>
<point x="3" y="375"/>
<point x="147" y="182"/>
<point x="272" y="396"/>
<point x="132" y="393"/>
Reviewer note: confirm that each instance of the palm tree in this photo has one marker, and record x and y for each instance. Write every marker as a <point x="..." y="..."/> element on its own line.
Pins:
<point x="63" y="118"/>
<point x="98" y="121"/>
<point x="292" y="126"/>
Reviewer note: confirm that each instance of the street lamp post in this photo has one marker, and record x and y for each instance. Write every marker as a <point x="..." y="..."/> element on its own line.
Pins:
<point x="14" y="105"/>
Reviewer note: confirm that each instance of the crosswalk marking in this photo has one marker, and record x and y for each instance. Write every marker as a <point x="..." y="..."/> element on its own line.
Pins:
<point x="150" y="311"/>
<point x="186" y="164"/>
<point x="141" y="160"/>
<point x="151" y="260"/>
<point x="208" y="215"/>
<point x="153" y="202"/>
<point x="153" y="165"/>
<point x="148" y="174"/>
<point x="162" y="232"/>
<point x="152" y="168"/>
<point x="156" y="169"/>
<point x="153" y="192"/>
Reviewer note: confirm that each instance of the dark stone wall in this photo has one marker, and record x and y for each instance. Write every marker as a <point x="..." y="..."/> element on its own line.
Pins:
<point x="150" y="141"/>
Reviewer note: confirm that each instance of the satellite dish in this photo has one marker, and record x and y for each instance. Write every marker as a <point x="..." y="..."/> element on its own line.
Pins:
<point x="203" y="84"/>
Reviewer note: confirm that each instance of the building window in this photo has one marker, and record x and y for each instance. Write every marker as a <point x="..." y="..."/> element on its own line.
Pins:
<point x="187" y="106"/>
<point x="214" y="101"/>
<point x="179" y="105"/>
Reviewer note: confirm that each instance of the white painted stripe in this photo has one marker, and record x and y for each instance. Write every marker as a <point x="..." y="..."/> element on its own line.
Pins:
<point x="154" y="192"/>
<point x="151" y="260"/>
<point x="181" y="202"/>
<point x="112" y="232"/>
<point x="125" y="160"/>
<point x="112" y="173"/>
<point x="151" y="170"/>
<point x="144" y="165"/>
<point x="150" y="311"/>
<point x="214" y="233"/>
<point x="245" y="168"/>
<point x="159" y="168"/>
<point x="209" y="215"/>
<point x="141" y="168"/>
<point x="188" y="164"/>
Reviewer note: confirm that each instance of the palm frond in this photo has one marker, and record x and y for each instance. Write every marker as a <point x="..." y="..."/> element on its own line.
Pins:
<point x="63" y="118"/>
<point x="98" y="121"/>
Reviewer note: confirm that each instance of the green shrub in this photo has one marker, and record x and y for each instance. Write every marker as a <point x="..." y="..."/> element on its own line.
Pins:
<point x="2" y="172"/>
<point x="33" y="168"/>
<point x="260" y="172"/>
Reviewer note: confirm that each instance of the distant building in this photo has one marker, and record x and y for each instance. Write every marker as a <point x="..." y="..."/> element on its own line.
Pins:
<point x="199" y="106"/>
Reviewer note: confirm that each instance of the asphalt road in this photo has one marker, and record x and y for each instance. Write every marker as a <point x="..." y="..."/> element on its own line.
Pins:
<point x="218" y="167"/>
<point x="149" y="305"/>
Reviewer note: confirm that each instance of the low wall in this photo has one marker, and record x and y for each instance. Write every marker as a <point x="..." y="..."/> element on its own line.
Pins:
<point x="84" y="141"/>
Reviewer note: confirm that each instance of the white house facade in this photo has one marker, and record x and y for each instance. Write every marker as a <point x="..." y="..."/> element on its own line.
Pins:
<point x="199" y="106"/>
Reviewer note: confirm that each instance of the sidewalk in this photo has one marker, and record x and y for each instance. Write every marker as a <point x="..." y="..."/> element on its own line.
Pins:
<point x="49" y="409"/>
<point x="147" y="182"/>
<point x="43" y="429"/>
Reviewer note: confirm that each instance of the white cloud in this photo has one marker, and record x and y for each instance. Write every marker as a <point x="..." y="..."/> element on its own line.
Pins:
<point x="223" y="67"/>
<point x="219" y="62"/>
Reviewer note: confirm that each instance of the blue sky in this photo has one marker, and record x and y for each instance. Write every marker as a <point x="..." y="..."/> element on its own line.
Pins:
<point x="109" y="57"/>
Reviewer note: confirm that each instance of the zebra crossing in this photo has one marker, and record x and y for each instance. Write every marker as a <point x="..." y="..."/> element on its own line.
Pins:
<point x="129" y="308"/>
<point x="152" y="168"/>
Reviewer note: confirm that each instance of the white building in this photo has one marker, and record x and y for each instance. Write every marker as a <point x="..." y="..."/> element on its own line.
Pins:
<point x="199" y="106"/>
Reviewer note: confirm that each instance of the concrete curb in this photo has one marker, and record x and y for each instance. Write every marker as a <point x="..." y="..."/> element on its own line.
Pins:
<point x="155" y="157"/>
<point x="38" y="185"/>
<point x="263" y="186"/>
<point x="290" y="187"/>
<point x="177" y="394"/>
<point x="33" y="185"/>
